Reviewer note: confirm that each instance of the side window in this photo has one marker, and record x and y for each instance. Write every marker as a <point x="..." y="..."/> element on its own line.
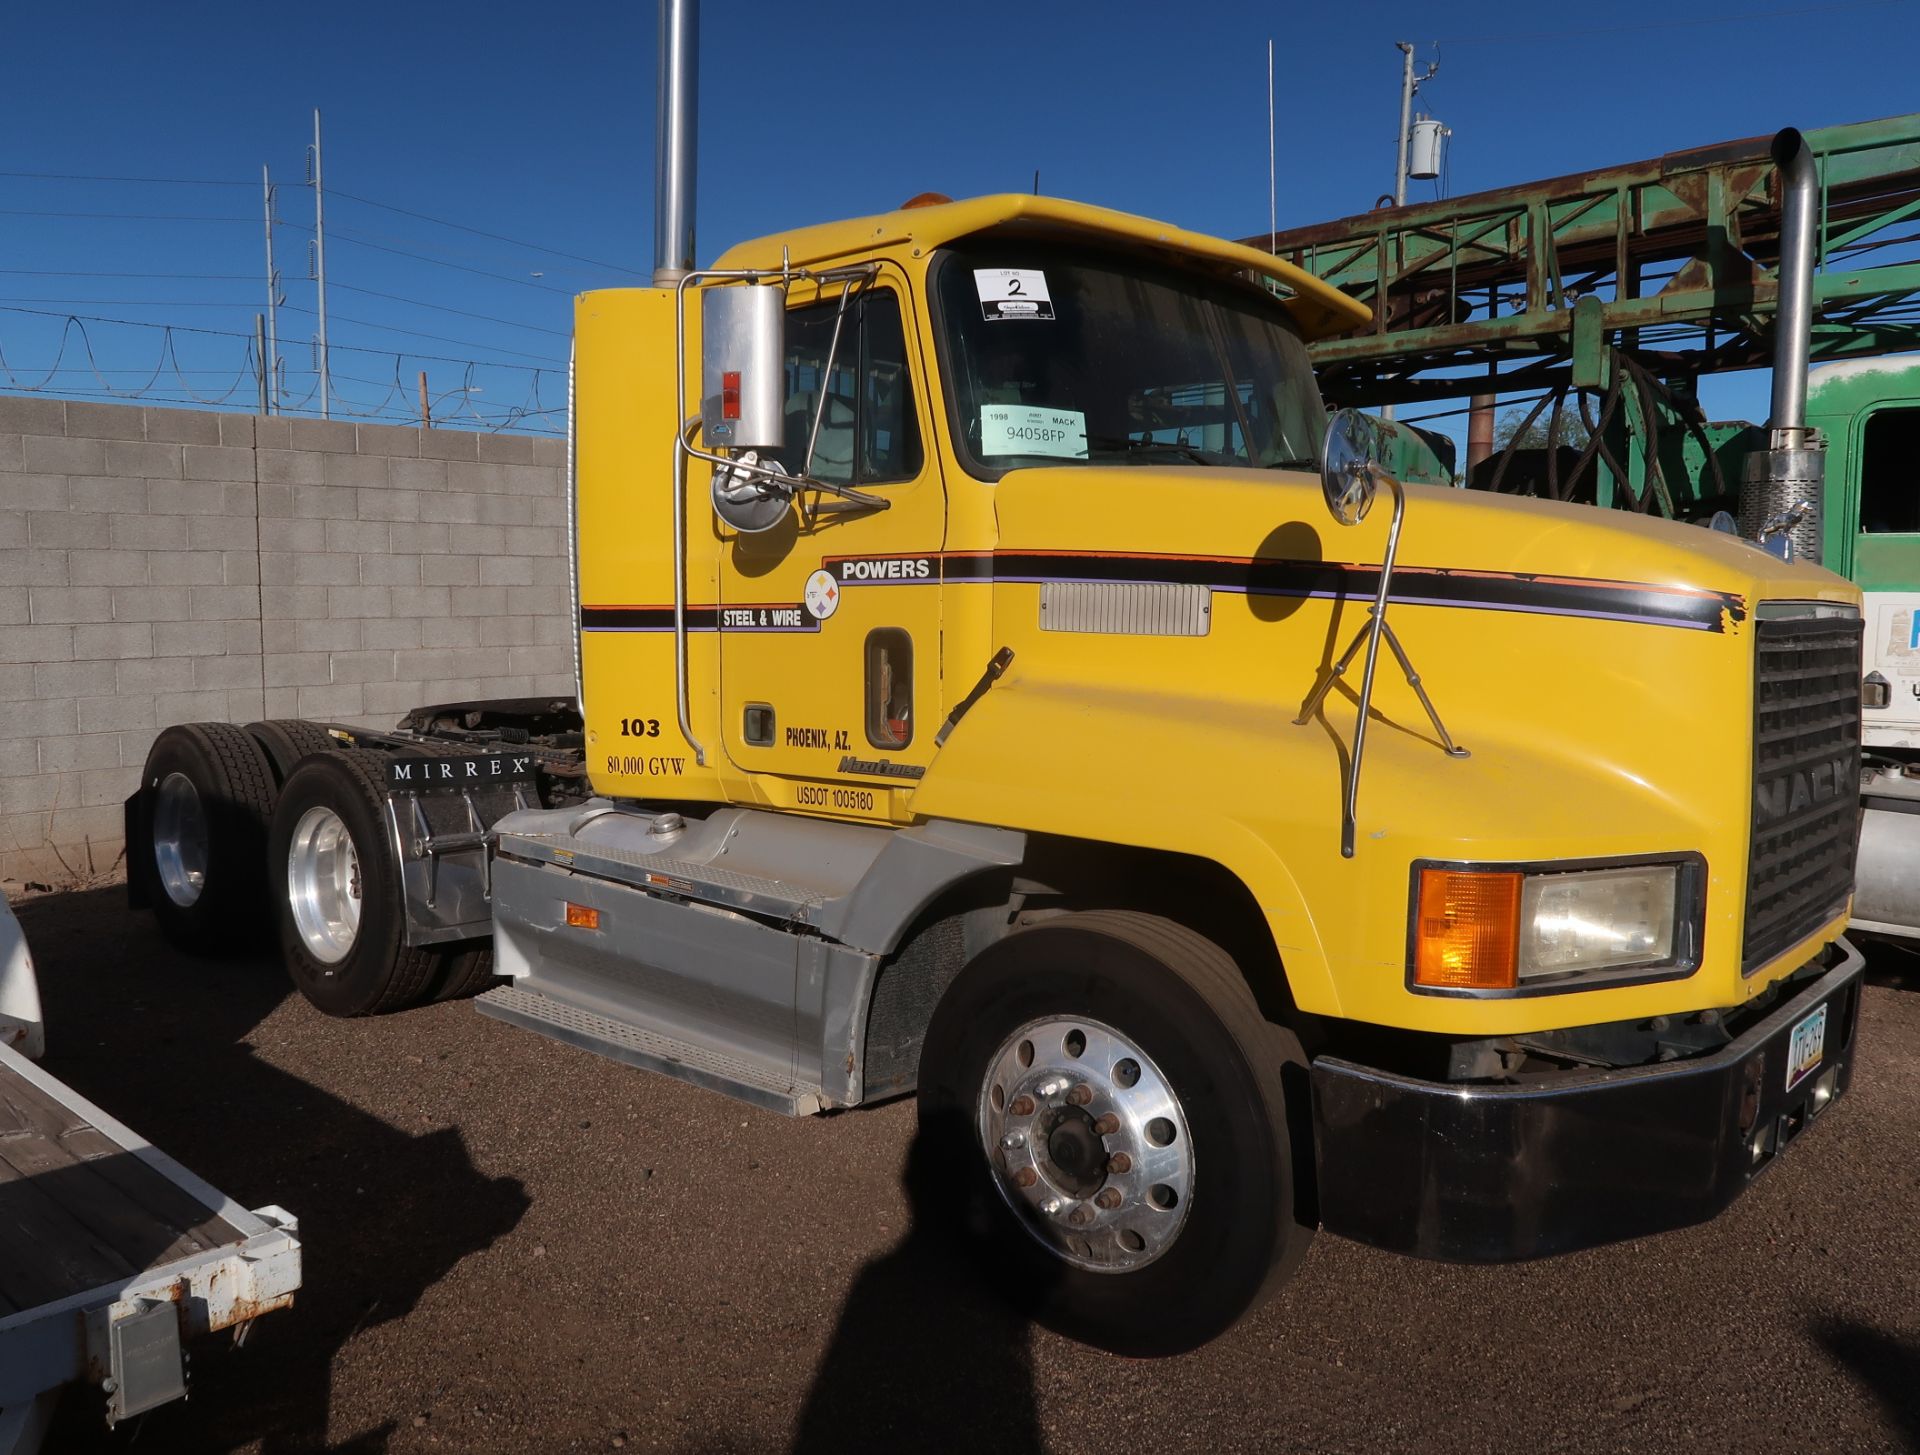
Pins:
<point x="868" y="432"/>
<point x="1889" y="477"/>
<point x="889" y="687"/>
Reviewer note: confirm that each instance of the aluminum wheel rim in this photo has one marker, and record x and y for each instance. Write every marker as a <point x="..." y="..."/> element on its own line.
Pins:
<point x="180" y="840"/>
<point x="1088" y="1144"/>
<point x="323" y="884"/>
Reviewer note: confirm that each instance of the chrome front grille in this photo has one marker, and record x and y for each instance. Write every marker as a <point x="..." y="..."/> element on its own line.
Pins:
<point x="1806" y="773"/>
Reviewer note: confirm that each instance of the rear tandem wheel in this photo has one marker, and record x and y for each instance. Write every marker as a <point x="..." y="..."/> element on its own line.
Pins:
<point x="208" y="795"/>
<point x="337" y="895"/>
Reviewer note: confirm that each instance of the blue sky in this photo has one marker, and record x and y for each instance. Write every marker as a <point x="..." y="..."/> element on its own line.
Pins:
<point x="538" y="127"/>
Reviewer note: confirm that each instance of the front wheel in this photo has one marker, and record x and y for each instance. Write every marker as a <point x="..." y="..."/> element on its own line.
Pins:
<point x="1115" y="1099"/>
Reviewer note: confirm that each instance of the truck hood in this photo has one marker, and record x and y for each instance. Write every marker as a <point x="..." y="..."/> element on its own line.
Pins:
<point x="1457" y="546"/>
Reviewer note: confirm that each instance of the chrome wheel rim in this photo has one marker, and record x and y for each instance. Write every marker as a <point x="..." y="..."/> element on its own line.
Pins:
<point x="323" y="884"/>
<point x="180" y="840"/>
<point x="1088" y="1144"/>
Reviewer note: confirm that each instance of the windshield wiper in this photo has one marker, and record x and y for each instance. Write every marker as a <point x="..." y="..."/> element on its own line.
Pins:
<point x="1140" y="447"/>
<point x="1294" y="465"/>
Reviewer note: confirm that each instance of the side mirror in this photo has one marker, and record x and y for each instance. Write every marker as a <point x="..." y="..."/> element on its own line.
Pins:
<point x="1349" y="472"/>
<point x="743" y="348"/>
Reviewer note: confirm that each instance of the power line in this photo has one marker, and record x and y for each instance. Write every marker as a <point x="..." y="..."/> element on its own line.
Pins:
<point x="90" y="177"/>
<point x="121" y="216"/>
<point x="133" y="303"/>
<point x="331" y="191"/>
<point x="243" y="278"/>
<point x="457" y="267"/>
<point x="479" y="232"/>
<point x="1725" y="19"/>
<point x="546" y="366"/>
<point x="415" y="333"/>
<point x="67" y="273"/>
<point x="443" y="308"/>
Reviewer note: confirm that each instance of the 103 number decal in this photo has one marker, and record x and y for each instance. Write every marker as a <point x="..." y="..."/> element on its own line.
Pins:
<point x="639" y="727"/>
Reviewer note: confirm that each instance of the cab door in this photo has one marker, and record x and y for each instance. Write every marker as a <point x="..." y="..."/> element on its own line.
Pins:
<point x="1879" y="485"/>
<point x="829" y="623"/>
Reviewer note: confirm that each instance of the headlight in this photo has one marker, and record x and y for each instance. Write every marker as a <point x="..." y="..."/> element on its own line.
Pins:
<point x="1534" y="927"/>
<point x="1600" y="919"/>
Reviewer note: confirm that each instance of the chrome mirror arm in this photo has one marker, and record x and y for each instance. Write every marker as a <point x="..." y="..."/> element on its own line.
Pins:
<point x="1371" y="633"/>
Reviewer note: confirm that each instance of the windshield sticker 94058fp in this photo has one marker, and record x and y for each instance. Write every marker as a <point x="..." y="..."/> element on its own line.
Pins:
<point x="1012" y="293"/>
<point x="1023" y="429"/>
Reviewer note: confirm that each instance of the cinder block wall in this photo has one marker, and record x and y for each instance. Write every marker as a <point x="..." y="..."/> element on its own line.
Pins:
<point x="161" y="566"/>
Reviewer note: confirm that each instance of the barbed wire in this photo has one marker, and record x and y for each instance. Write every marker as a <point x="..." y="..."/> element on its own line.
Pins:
<point x="171" y="381"/>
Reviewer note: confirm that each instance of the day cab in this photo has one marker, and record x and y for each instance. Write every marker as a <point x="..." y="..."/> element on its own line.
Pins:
<point x="951" y="583"/>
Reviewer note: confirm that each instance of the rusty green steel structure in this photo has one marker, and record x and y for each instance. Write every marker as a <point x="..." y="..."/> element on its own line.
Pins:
<point x="1610" y="291"/>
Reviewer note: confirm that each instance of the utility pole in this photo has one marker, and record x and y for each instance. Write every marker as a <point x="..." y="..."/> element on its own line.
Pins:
<point x="260" y="353"/>
<point x="319" y="268"/>
<point x="274" y="300"/>
<point x="1409" y="83"/>
<point x="1273" y="211"/>
<point x="426" y="409"/>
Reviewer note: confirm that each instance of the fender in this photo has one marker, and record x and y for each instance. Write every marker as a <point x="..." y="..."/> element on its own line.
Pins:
<point x="1065" y="761"/>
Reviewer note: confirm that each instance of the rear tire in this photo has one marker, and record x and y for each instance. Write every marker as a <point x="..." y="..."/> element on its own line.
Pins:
<point x="287" y="740"/>
<point x="467" y="974"/>
<point x="337" y="892"/>
<point x="207" y="797"/>
<point x="1106" y="1102"/>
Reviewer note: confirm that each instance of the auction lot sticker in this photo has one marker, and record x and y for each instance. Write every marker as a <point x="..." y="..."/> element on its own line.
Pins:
<point x="1023" y="429"/>
<point x="1012" y="293"/>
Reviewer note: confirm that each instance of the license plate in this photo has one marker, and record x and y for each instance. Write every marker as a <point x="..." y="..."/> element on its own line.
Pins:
<point x="455" y="772"/>
<point x="1806" y="1047"/>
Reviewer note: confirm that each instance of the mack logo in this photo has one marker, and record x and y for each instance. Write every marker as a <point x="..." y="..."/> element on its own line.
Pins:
<point x="1786" y="794"/>
<point x="887" y="569"/>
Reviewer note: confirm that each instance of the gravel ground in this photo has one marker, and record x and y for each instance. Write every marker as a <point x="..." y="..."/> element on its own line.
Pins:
<point x="514" y="1246"/>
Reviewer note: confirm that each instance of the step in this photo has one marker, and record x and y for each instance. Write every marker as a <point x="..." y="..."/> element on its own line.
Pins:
<point x="636" y="1046"/>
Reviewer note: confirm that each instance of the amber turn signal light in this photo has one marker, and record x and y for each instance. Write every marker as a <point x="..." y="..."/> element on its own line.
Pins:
<point x="1467" y="930"/>
<point x="582" y="916"/>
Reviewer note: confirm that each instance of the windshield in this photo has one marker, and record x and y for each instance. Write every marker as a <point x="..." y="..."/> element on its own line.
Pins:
<point x="1060" y="356"/>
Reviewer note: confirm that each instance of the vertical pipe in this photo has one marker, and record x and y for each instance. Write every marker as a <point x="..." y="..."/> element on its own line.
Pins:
<point x="272" y="355"/>
<point x="260" y="354"/>
<point x="1793" y="322"/>
<point x="675" y="131"/>
<point x="320" y="270"/>
<point x="1480" y="431"/>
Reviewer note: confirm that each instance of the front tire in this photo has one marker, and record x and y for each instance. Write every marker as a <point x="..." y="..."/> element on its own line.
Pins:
<point x="1110" y="1099"/>
<point x="337" y="891"/>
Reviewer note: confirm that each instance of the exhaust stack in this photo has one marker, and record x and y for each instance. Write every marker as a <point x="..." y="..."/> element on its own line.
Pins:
<point x="1792" y="466"/>
<point x="675" y="133"/>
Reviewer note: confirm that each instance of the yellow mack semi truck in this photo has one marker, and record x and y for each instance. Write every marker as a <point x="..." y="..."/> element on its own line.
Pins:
<point x="995" y="686"/>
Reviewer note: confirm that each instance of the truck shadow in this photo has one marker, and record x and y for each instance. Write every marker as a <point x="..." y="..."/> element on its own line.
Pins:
<point x="927" y="1355"/>
<point x="1886" y="1366"/>
<point x="159" y="1040"/>
<point x="1890" y="964"/>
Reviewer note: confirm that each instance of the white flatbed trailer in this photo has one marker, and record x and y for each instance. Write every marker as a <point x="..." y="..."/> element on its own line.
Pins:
<point x="112" y="1255"/>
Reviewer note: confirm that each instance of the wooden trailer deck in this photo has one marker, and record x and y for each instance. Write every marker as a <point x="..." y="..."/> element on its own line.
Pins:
<point x="78" y="1210"/>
